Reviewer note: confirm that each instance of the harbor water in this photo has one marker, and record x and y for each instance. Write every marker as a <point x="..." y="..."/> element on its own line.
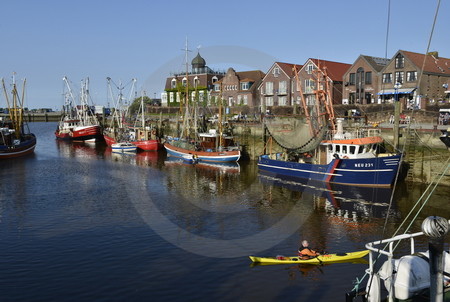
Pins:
<point x="79" y="223"/>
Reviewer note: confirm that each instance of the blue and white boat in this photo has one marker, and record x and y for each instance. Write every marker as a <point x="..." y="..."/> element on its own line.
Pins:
<point x="123" y="147"/>
<point x="350" y="159"/>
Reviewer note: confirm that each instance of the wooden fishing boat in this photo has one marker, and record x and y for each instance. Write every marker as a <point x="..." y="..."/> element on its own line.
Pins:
<point x="78" y="122"/>
<point x="15" y="137"/>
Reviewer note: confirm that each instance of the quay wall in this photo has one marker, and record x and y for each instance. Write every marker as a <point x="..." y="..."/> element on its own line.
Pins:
<point x="39" y="117"/>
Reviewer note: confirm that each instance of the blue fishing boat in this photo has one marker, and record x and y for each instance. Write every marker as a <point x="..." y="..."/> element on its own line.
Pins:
<point x="356" y="156"/>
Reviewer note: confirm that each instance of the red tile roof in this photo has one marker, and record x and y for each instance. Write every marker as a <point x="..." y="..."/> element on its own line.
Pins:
<point x="288" y="68"/>
<point x="335" y="70"/>
<point x="432" y="64"/>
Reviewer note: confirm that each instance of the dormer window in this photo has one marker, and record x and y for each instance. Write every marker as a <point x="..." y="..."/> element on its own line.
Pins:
<point x="196" y="82"/>
<point x="184" y="82"/>
<point x="215" y="79"/>
<point x="245" y="85"/>
<point x="173" y="83"/>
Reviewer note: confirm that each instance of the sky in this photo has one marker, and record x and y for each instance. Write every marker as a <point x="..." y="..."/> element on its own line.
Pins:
<point x="45" y="40"/>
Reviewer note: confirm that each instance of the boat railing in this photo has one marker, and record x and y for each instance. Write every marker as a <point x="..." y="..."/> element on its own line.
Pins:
<point x="373" y="247"/>
<point x="354" y="133"/>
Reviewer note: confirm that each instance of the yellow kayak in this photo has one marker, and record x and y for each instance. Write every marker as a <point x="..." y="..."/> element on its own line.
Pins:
<point x="327" y="258"/>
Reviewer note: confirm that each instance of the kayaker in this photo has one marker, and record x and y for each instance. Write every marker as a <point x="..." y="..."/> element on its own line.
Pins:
<point x="304" y="252"/>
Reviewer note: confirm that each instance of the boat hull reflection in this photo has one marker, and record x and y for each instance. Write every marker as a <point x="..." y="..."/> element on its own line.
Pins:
<point x="365" y="201"/>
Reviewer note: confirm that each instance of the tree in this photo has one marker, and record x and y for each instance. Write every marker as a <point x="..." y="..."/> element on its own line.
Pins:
<point x="136" y="104"/>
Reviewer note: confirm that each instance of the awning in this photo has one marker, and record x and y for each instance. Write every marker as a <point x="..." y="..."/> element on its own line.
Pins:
<point x="399" y="91"/>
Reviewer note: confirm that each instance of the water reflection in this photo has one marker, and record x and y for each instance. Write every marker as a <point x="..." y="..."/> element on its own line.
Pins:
<point x="89" y="151"/>
<point x="347" y="201"/>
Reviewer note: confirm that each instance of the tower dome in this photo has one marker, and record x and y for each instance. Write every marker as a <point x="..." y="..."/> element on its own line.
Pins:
<point x="198" y="62"/>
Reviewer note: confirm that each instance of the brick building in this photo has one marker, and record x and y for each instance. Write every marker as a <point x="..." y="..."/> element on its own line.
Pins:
<point x="200" y="80"/>
<point x="421" y="78"/>
<point x="362" y="80"/>
<point x="307" y="79"/>
<point x="238" y="88"/>
<point x="277" y="86"/>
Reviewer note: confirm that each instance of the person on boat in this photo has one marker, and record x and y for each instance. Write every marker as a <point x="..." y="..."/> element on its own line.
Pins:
<point x="304" y="252"/>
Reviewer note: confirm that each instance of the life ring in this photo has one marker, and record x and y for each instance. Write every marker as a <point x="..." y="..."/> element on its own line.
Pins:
<point x="345" y="157"/>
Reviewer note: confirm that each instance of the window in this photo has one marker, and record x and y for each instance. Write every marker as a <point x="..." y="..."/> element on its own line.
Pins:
<point x="352" y="149"/>
<point x="330" y="148"/>
<point x="399" y="76"/>
<point x="184" y="82"/>
<point x="387" y="77"/>
<point x="269" y="101"/>
<point x="245" y="85"/>
<point x="276" y="72"/>
<point x="411" y="76"/>
<point x="368" y="77"/>
<point x="269" y="87"/>
<point x="173" y="83"/>
<point x="310" y="85"/>
<point x="344" y="149"/>
<point x="361" y="149"/>
<point x="282" y="87"/>
<point x="282" y="101"/>
<point x="399" y="61"/>
<point x="338" y="148"/>
<point x="216" y="87"/>
<point x="230" y="101"/>
<point x="351" y="80"/>
<point x="309" y="68"/>
<point x="196" y="82"/>
<point x="245" y="99"/>
<point x="214" y="79"/>
<point x="164" y="97"/>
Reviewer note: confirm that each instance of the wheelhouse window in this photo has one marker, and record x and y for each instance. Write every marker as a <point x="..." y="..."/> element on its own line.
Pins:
<point x="352" y="149"/>
<point x="344" y="149"/>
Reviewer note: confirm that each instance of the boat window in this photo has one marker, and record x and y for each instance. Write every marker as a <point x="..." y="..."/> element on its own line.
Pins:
<point x="344" y="149"/>
<point x="352" y="149"/>
<point x="374" y="147"/>
<point x="338" y="148"/>
<point x="330" y="148"/>
<point x="361" y="149"/>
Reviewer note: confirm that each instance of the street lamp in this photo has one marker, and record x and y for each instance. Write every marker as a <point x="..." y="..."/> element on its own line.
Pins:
<point x="397" y="86"/>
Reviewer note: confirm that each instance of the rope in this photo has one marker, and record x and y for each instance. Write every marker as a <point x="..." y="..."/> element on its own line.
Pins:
<point x="446" y="167"/>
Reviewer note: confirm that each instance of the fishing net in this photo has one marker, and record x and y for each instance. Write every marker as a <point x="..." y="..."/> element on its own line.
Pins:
<point x="294" y="133"/>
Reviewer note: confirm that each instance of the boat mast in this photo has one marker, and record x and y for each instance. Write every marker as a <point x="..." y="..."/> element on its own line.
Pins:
<point x="219" y="122"/>
<point x="186" y="119"/>
<point x="15" y="111"/>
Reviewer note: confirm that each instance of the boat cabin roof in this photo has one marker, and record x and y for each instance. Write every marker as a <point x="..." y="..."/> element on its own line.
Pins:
<point x="355" y="141"/>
